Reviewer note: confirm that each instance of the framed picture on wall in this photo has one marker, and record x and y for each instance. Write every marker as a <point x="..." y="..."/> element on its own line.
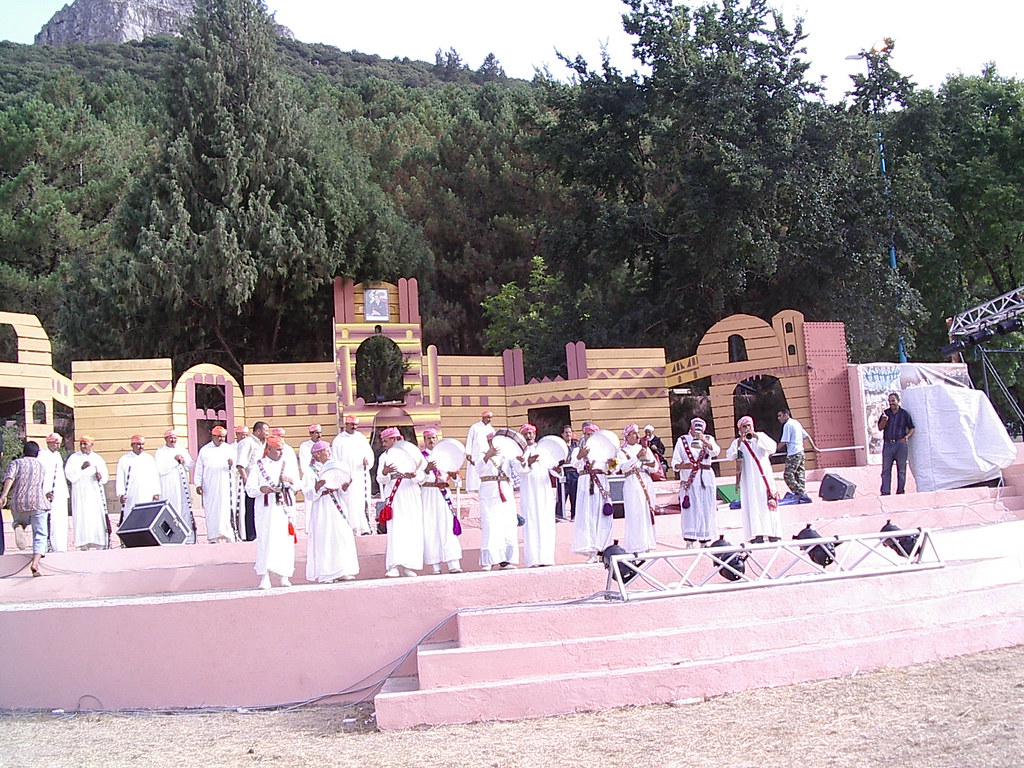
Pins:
<point x="375" y="305"/>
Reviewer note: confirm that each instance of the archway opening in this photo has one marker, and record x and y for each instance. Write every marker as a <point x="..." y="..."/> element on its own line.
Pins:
<point x="761" y="398"/>
<point x="380" y="371"/>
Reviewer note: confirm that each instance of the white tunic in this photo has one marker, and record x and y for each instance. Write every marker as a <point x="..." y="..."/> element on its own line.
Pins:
<point x="331" y="546"/>
<point x="247" y="451"/>
<point x="476" y="447"/>
<point x="214" y="475"/>
<point x="174" y="485"/>
<point x="440" y="544"/>
<point x="88" y="498"/>
<point x="275" y="545"/>
<point x="354" y="452"/>
<point x="56" y="483"/>
<point x="758" y="519"/>
<point x="537" y="505"/>
<point x="698" y="523"/>
<point x="638" y="498"/>
<point x="592" y="529"/>
<point x="137" y="480"/>
<point x="405" y="529"/>
<point x="499" y="538"/>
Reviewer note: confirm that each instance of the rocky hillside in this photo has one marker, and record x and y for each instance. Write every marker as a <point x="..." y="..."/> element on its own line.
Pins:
<point x="118" y="21"/>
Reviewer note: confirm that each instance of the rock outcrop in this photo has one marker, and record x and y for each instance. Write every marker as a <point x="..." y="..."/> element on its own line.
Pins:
<point x="118" y="21"/>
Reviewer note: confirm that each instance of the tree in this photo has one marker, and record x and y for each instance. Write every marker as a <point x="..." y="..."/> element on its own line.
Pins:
<point x="240" y="226"/>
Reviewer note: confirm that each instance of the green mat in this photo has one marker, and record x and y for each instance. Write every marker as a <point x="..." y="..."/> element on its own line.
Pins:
<point x="728" y="493"/>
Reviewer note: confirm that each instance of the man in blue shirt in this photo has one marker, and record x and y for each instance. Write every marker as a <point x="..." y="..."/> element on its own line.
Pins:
<point x="793" y="436"/>
<point x="897" y="428"/>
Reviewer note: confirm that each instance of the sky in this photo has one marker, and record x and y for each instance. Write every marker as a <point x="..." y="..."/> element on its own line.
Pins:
<point x="934" y="38"/>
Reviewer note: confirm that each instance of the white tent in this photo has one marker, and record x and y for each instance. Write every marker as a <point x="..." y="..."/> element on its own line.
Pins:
<point x="959" y="440"/>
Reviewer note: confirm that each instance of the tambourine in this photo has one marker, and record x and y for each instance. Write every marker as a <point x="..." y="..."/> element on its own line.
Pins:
<point x="335" y="476"/>
<point x="449" y="455"/>
<point x="509" y="443"/>
<point x="552" y="450"/>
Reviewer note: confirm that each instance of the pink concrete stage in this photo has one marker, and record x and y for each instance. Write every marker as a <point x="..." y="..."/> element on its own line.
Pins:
<point x="183" y="627"/>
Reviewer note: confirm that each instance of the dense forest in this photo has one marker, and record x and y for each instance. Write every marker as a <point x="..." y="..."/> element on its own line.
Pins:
<point x="194" y="197"/>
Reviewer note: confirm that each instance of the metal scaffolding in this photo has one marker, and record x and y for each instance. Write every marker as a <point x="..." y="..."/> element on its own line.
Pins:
<point x="714" y="569"/>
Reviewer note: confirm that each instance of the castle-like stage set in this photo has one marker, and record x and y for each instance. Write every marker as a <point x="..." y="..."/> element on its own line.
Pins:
<point x="183" y="626"/>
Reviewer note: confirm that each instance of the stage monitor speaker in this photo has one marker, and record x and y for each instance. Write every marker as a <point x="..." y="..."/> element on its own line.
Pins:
<point x="835" y="488"/>
<point x="152" y="524"/>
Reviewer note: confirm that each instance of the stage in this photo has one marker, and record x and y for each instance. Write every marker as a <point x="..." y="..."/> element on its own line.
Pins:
<point x="185" y="626"/>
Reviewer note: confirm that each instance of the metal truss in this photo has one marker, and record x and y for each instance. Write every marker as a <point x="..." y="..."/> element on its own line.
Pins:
<point x="700" y="571"/>
<point x="1003" y="307"/>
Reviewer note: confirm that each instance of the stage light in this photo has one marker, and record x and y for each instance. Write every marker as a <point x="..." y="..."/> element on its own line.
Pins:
<point x="953" y="348"/>
<point x="901" y="545"/>
<point x="822" y="554"/>
<point x="627" y="573"/>
<point x="732" y="564"/>
<point x="981" y="335"/>
<point x="1009" y="325"/>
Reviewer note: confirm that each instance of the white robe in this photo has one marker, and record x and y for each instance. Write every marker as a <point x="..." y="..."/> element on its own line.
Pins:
<point x="305" y="459"/>
<point x="88" y="498"/>
<point x="440" y="544"/>
<point x="55" y="482"/>
<point x="476" y="447"/>
<point x="592" y="529"/>
<point x="247" y="451"/>
<point x="354" y="452"/>
<point x="137" y="480"/>
<point x="275" y="546"/>
<point x="331" y="546"/>
<point x="758" y="519"/>
<point x="638" y="498"/>
<point x="499" y="538"/>
<point x="405" y="529"/>
<point x="537" y="505"/>
<point x="698" y="523"/>
<point x="174" y="486"/>
<point x="214" y="475"/>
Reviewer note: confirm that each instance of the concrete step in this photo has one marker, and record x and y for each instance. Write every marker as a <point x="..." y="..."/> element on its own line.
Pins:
<point x="445" y="666"/>
<point x="609" y="618"/>
<point x="546" y="695"/>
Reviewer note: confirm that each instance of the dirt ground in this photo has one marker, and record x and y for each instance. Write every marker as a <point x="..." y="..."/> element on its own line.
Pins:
<point x="960" y="713"/>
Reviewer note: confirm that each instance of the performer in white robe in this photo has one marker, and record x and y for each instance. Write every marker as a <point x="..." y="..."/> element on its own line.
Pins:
<point x="758" y="497"/>
<point x="476" y="447"/>
<point x="87" y="473"/>
<point x="173" y="464"/>
<point x="637" y="462"/>
<point x="591" y="529"/>
<point x="248" y="450"/>
<point x="271" y="487"/>
<point x="536" y="503"/>
<point x="292" y="469"/>
<point x="55" y="485"/>
<point x="306" y="449"/>
<point x="137" y="480"/>
<point x="353" y="450"/>
<point x="400" y="473"/>
<point x="331" y="546"/>
<point x="440" y="544"/>
<point x="499" y="536"/>
<point x="698" y="499"/>
<point x="214" y="478"/>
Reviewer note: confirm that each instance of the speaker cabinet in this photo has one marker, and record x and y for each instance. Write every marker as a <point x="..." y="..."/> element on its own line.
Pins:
<point x="152" y="524"/>
<point x="836" y="488"/>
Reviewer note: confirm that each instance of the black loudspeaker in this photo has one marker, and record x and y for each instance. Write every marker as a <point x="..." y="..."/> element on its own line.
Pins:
<point x="152" y="524"/>
<point x="835" y="488"/>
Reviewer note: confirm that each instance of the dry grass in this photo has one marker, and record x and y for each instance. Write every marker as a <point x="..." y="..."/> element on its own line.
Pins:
<point x="961" y="713"/>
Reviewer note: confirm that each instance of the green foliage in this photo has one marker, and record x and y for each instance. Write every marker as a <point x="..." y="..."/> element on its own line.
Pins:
<point x="380" y="369"/>
<point x="532" y="319"/>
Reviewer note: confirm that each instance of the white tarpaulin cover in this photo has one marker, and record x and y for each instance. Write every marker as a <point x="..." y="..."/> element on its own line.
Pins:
<point x="959" y="439"/>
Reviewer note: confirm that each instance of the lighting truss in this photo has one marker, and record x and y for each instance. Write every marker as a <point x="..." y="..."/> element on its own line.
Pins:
<point x="699" y="571"/>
